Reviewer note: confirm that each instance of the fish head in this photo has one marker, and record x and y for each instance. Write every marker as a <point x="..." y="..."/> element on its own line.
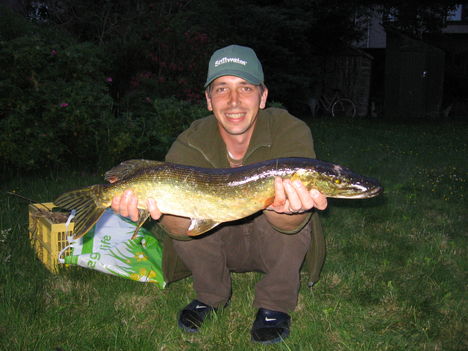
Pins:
<point x="340" y="182"/>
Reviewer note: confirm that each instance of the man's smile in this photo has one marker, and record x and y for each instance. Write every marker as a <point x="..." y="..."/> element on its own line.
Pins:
<point x="235" y="116"/>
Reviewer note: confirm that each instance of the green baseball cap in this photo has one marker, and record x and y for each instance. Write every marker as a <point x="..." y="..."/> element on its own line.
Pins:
<point x="235" y="60"/>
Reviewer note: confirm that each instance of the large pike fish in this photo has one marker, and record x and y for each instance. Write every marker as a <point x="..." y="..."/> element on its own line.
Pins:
<point x="210" y="196"/>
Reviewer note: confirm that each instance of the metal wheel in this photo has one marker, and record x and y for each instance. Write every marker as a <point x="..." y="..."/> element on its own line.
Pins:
<point x="343" y="107"/>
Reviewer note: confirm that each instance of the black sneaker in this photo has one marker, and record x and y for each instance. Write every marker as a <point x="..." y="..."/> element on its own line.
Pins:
<point x="193" y="315"/>
<point x="270" y="326"/>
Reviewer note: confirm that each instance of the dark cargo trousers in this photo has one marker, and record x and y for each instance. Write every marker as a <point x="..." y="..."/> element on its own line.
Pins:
<point x="252" y="245"/>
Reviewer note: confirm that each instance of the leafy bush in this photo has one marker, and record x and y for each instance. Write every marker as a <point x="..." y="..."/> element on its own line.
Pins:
<point x="53" y="97"/>
<point x="149" y="126"/>
<point x="56" y="109"/>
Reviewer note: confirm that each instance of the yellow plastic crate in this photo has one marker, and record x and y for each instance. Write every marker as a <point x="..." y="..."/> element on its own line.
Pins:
<point x="47" y="238"/>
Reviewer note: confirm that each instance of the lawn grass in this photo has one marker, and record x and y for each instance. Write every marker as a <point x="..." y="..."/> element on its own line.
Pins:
<point x="394" y="278"/>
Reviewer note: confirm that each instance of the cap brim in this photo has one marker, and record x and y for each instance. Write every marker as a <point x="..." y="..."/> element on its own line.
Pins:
<point x="230" y="72"/>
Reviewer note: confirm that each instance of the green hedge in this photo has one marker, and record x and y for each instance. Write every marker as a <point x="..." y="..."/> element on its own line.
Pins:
<point x="56" y="108"/>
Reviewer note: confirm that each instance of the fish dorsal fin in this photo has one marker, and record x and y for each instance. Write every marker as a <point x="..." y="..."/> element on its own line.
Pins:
<point x="128" y="168"/>
<point x="199" y="226"/>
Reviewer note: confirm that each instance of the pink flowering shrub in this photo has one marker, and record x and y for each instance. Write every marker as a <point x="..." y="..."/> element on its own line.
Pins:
<point x="62" y="104"/>
<point x="54" y="100"/>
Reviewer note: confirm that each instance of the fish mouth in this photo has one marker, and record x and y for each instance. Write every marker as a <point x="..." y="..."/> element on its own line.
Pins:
<point x="375" y="191"/>
<point x="363" y="192"/>
<point x="371" y="192"/>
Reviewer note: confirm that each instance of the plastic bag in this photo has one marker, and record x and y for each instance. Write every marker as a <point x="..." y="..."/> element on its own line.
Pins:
<point x="108" y="248"/>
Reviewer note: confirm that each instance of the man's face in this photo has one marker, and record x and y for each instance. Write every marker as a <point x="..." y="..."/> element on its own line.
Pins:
<point x="235" y="103"/>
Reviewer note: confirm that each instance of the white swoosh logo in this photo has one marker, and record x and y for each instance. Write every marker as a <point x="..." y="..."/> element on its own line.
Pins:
<point x="269" y="319"/>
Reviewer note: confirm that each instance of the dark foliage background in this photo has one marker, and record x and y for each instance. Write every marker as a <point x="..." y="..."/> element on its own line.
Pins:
<point x="96" y="82"/>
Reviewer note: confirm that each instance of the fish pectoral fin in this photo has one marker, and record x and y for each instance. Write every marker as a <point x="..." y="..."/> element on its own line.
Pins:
<point x="199" y="226"/>
<point x="143" y="216"/>
<point x="298" y="175"/>
<point x="302" y="176"/>
<point x="294" y="177"/>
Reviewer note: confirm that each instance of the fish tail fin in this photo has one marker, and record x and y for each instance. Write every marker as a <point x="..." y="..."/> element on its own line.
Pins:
<point x="83" y="201"/>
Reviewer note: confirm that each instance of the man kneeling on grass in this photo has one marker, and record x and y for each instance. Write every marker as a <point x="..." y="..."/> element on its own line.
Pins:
<point x="239" y="132"/>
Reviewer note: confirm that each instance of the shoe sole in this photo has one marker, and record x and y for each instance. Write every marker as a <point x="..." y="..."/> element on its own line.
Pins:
<point x="187" y="329"/>
<point x="279" y="339"/>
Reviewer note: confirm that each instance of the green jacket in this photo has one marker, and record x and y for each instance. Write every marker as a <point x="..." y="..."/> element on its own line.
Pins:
<point x="277" y="134"/>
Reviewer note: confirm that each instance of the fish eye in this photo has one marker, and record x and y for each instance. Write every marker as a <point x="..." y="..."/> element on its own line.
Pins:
<point x="337" y="181"/>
